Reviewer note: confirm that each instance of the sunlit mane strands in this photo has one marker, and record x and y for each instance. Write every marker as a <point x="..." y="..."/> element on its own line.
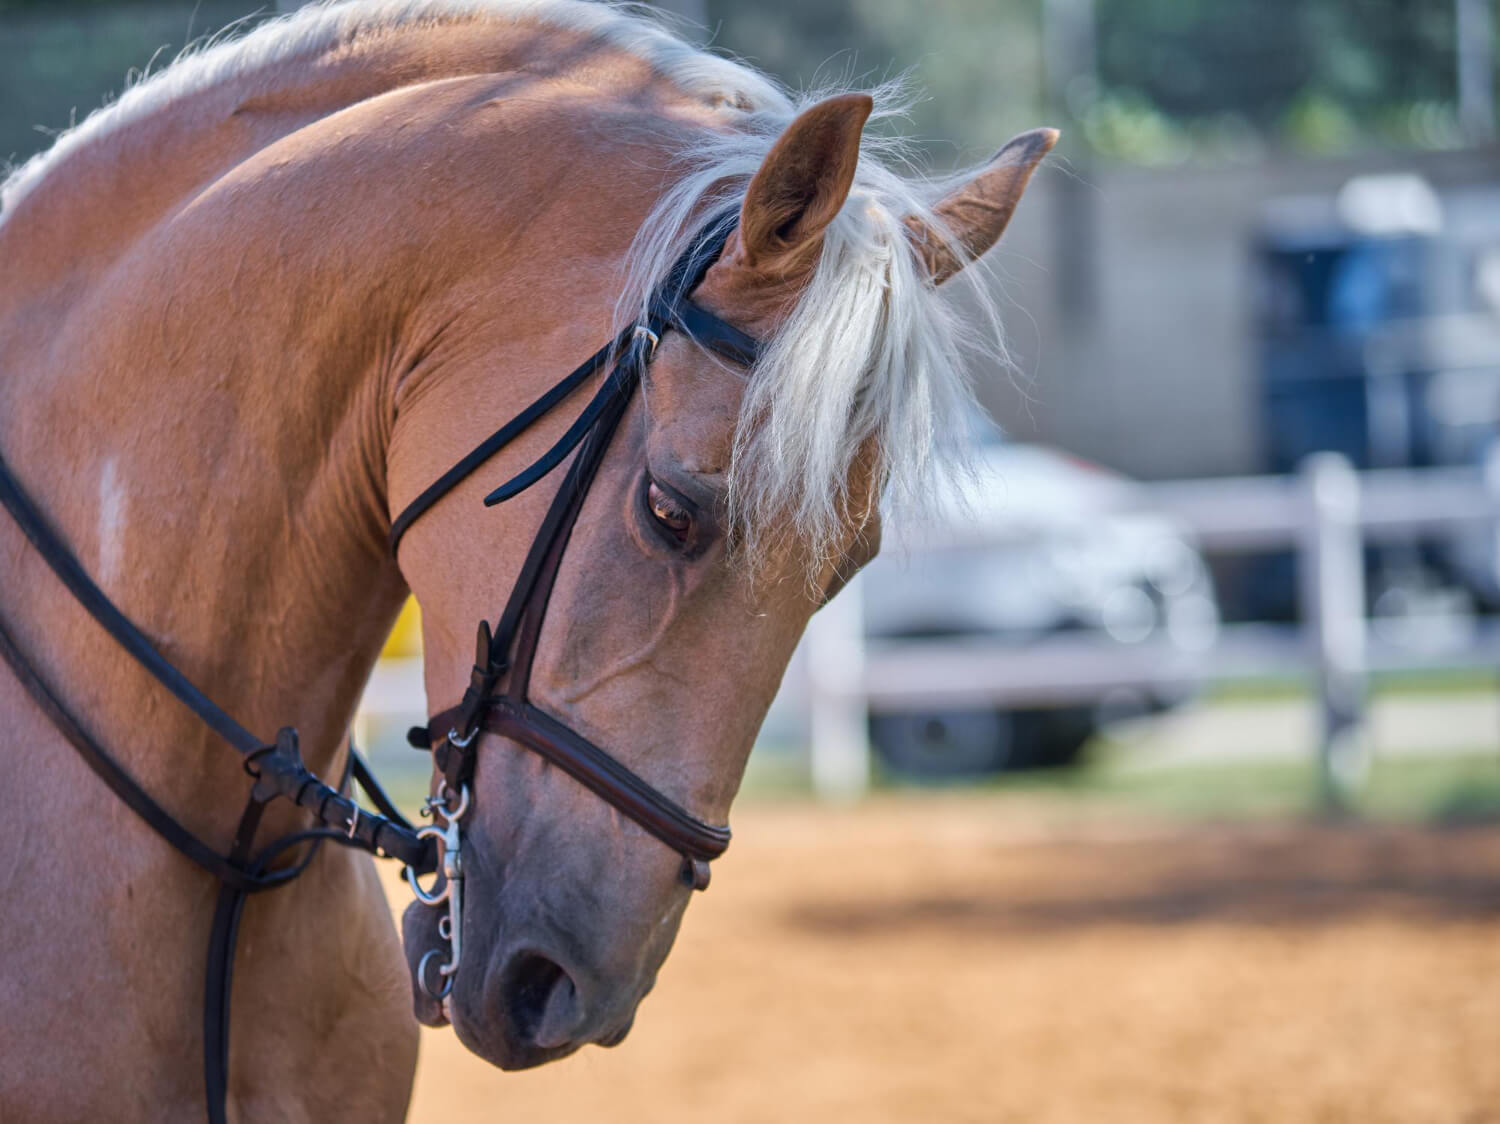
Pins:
<point x="322" y="28"/>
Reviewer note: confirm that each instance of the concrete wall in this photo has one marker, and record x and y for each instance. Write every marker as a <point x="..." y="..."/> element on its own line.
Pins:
<point x="1129" y="307"/>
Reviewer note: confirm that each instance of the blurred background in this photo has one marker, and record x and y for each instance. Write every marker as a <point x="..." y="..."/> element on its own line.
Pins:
<point x="1158" y="775"/>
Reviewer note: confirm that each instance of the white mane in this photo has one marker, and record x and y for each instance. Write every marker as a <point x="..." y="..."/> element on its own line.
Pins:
<point x="870" y="353"/>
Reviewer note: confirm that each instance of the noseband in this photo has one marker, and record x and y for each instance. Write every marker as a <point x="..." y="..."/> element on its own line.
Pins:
<point x="488" y="704"/>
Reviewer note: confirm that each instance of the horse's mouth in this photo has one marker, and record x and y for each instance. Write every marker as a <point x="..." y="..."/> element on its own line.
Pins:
<point x="614" y="1038"/>
<point x="419" y="934"/>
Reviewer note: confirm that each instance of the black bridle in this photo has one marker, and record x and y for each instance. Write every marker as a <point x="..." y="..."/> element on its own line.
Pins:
<point x="507" y="654"/>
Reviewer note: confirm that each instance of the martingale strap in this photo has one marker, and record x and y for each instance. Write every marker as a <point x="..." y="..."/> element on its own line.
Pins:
<point x="277" y="769"/>
<point x="280" y="773"/>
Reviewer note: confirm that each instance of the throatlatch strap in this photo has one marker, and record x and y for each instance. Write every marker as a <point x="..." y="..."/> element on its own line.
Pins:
<point x="620" y="382"/>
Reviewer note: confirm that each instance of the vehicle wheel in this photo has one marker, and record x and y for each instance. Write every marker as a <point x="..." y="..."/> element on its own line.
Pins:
<point x="948" y="744"/>
<point x="1050" y="739"/>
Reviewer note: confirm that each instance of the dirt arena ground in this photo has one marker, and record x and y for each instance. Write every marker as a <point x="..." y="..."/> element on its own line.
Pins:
<point x="935" y="960"/>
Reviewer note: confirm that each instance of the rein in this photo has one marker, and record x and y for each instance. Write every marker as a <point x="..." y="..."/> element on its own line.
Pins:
<point x="277" y="769"/>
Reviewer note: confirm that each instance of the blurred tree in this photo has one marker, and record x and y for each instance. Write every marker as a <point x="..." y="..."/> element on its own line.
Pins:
<point x="1169" y="80"/>
<point x="7" y="6"/>
<point x="976" y="63"/>
<point x="1319" y="75"/>
<point x="60" y="59"/>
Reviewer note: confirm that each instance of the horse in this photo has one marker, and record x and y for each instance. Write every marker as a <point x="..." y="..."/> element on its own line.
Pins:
<point x="250" y="311"/>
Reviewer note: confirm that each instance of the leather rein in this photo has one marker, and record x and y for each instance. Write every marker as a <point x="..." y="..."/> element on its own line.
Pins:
<point x="507" y="654"/>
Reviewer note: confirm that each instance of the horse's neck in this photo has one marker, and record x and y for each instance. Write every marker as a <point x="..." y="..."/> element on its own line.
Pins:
<point x="201" y="408"/>
<point x="125" y="182"/>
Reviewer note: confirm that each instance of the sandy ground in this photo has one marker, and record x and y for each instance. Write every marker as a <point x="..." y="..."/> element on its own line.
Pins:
<point x="930" y="961"/>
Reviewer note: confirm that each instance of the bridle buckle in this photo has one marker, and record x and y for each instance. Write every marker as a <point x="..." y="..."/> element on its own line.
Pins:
<point x="652" y="340"/>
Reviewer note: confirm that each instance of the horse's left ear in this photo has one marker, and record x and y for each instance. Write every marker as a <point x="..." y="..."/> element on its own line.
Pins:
<point x="976" y="213"/>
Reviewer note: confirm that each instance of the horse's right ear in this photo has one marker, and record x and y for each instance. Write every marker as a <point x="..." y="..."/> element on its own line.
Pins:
<point x="801" y="185"/>
<point x="976" y="213"/>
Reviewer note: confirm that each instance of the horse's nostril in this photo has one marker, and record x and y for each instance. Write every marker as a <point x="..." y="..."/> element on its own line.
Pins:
<point x="541" y="1001"/>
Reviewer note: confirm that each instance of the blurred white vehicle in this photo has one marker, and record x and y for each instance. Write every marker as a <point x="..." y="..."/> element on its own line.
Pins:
<point x="1067" y="546"/>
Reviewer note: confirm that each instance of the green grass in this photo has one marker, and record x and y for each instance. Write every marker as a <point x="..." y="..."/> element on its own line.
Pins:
<point x="1439" y="788"/>
<point x="1390" y="685"/>
<point x="1435" y="789"/>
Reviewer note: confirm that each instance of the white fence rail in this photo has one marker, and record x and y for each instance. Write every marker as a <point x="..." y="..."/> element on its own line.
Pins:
<point x="1325" y="513"/>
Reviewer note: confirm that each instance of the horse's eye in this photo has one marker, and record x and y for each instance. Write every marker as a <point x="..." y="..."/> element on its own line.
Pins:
<point x="674" y="519"/>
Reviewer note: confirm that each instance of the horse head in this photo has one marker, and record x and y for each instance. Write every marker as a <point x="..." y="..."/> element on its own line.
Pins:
<point x="731" y="501"/>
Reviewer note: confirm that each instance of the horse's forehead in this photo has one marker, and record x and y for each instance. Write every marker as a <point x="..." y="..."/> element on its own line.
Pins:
<point x="695" y="398"/>
<point x="693" y="404"/>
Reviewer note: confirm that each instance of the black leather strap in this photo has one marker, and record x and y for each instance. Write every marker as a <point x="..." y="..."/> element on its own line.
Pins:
<point x="371" y="786"/>
<point x="278" y="769"/>
<point x="57" y="556"/>
<point x="620" y="381"/>
<point x="603" y="774"/>
<point x="218" y="982"/>
<point x="218" y="973"/>
<point x="712" y="334"/>
<point x="498" y="440"/>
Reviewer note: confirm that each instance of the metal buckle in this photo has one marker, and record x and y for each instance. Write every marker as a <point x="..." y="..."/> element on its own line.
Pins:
<point x="652" y="340"/>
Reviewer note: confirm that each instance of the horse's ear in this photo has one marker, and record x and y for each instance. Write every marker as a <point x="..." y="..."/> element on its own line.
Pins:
<point x="802" y="183"/>
<point x="976" y="213"/>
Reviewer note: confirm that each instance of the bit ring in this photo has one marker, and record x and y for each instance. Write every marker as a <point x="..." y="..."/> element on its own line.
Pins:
<point x="445" y="976"/>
